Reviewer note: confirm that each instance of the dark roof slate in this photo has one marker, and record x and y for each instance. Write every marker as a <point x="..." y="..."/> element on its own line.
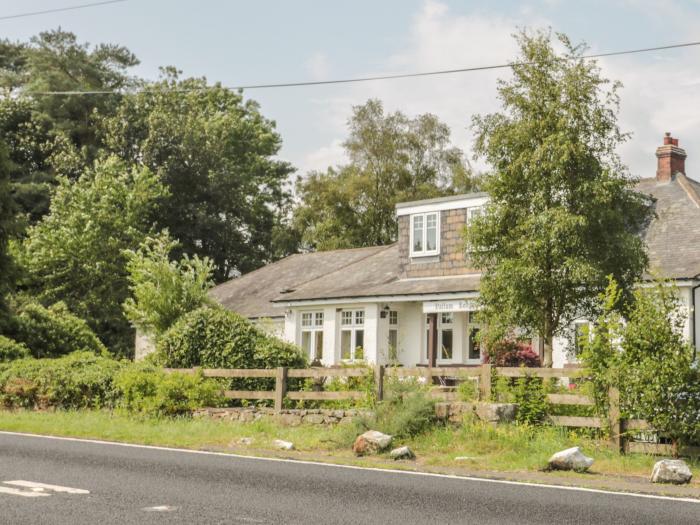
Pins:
<point x="251" y="294"/>
<point x="673" y="236"/>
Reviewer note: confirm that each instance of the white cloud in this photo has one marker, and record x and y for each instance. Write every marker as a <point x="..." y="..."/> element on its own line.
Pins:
<point x="325" y="156"/>
<point x="660" y="91"/>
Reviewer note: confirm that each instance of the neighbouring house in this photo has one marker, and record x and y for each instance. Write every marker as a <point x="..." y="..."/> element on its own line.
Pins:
<point x="417" y="297"/>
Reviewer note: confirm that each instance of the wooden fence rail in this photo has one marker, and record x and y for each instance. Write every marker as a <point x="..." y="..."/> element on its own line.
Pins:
<point x="619" y="427"/>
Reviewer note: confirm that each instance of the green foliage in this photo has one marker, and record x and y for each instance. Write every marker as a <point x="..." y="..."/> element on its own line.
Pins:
<point x="7" y="229"/>
<point x="406" y="411"/>
<point x="50" y="136"/>
<point x="148" y="390"/>
<point x="76" y="253"/>
<point x="54" y="331"/>
<point x="393" y="158"/>
<point x="648" y="359"/>
<point x="163" y="290"/>
<point x="216" y="154"/>
<point x="468" y="391"/>
<point x="531" y="396"/>
<point x="212" y="337"/>
<point x="11" y="349"/>
<point x="76" y="381"/>
<point x="564" y="213"/>
<point x="364" y="384"/>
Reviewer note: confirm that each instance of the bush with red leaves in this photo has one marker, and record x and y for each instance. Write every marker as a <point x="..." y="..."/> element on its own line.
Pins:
<point x="512" y="353"/>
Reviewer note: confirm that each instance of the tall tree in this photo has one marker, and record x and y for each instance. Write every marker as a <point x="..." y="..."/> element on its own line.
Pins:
<point x="216" y="153"/>
<point x="392" y="158"/>
<point x="7" y="226"/>
<point x="563" y="214"/>
<point x="77" y="253"/>
<point x="52" y="135"/>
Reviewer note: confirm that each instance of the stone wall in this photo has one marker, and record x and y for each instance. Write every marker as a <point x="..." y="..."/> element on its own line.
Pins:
<point x="452" y="259"/>
<point x="291" y="417"/>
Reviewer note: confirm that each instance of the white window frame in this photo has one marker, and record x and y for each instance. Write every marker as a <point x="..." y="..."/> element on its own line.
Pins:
<point x="352" y="321"/>
<point x="425" y="252"/>
<point x="441" y="326"/>
<point x="393" y="321"/>
<point x="313" y="327"/>
<point x="472" y="324"/>
<point x="471" y="213"/>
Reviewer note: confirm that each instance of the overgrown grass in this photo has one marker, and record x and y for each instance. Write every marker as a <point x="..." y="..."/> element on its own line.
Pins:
<point x="505" y="448"/>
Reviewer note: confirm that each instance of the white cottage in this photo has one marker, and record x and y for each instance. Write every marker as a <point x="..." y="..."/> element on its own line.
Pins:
<point x="416" y="298"/>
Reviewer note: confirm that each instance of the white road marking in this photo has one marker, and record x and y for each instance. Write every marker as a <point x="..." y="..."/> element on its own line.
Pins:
<point x="40" y="487"/>
<point x="355" y="467"/>
<point x="160" y="508"/>
<point x="24" y="493"/>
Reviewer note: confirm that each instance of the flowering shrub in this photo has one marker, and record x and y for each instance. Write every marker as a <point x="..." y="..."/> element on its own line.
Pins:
<point x="512" y="353"/>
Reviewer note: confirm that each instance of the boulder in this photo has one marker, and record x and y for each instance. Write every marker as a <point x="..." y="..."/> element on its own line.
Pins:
<point x="371" y="442"/>
<point x="283" y="445"/>
<point x="496" y="412"/>
<point x="671" y="471"/>
<point x="402" y="453"/>
<point x="314" y="419"/>
<point x="570" y="459"/>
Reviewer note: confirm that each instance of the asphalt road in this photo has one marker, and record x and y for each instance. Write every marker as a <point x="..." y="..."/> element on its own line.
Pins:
<point x="129" y="484"/>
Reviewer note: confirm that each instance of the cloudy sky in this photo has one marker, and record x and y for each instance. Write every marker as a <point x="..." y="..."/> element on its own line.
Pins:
<point x="268" y="41"/>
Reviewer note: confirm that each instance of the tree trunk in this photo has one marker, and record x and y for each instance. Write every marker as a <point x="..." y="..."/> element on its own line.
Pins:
<point x="548" y="336"/>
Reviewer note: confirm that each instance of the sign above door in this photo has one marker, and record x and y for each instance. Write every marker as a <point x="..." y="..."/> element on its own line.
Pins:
<point x="462" y="305"/>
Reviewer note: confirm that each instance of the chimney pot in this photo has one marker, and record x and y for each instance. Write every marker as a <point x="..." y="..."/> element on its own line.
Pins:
<point x="671" y="159"/>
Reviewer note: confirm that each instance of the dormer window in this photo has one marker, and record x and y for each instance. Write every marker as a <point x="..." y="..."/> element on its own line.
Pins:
<point x="425" y="234"/>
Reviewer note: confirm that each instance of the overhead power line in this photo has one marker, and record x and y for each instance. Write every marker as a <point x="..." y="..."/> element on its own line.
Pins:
<point x="372" y="78"/>
<point x="59" y="9"/>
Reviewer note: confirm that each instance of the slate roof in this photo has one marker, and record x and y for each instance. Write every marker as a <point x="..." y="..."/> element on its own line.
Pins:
<point x="673" y="237"/>
<point x="250" y="294"/>
<point x="673" y="241"/>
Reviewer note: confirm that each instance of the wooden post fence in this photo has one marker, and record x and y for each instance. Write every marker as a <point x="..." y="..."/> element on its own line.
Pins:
<point x="280" y="387"/>
<point x="379" y="380"/>
<point x="616" y="438"/>
<point x="485" y="382"/>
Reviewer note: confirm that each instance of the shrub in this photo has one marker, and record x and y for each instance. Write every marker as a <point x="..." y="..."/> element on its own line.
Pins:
<point x="468" y="390"/>
<point x="405" y="412"/>
<point x="11" y="350"/>
<point x="648" y="359"/>
<point x="55" y="331"/>
<point x="512" y="353"/>
<point x="79" y="380"/>
<point x="531" y="396"/>
<point x="212" y="337"/>
<point x="149" y="390"/>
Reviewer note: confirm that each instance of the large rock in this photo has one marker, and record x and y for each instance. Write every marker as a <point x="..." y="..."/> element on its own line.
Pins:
<point x="496" y="412"/>
<point x="402" y="453"/>
<point x="570" y="459"/>
<point x="283" y="445"/>
<point x="371" y="442"/>
<point x="671" y="471"/>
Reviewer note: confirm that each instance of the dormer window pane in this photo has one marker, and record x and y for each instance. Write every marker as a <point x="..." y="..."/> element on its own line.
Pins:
<point x="418" y="233"/>
<point x="431" y="232"/>
<point x="425" y="234"/>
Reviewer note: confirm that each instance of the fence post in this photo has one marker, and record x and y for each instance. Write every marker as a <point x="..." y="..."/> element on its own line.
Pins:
<point x="280" y="387"/>
<point x="614" y="419"/>
<point x="485" y="382"/>
<point x="379" y="380"/>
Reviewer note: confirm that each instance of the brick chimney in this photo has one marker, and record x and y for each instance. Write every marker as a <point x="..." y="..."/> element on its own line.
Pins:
<point x="671" y="159"/>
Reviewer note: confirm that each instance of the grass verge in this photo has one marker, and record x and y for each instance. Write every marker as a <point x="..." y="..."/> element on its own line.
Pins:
<point x="479" y="447"/>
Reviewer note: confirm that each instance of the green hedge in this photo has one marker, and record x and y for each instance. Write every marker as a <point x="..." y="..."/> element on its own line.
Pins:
<point x="148" y="390"/>
<point x="54" y="331"/>
<point x="79" y="380"/>
<point x="85" y="380"/>
<point x="11" y="349"/>
<point x="212" y="337"/>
